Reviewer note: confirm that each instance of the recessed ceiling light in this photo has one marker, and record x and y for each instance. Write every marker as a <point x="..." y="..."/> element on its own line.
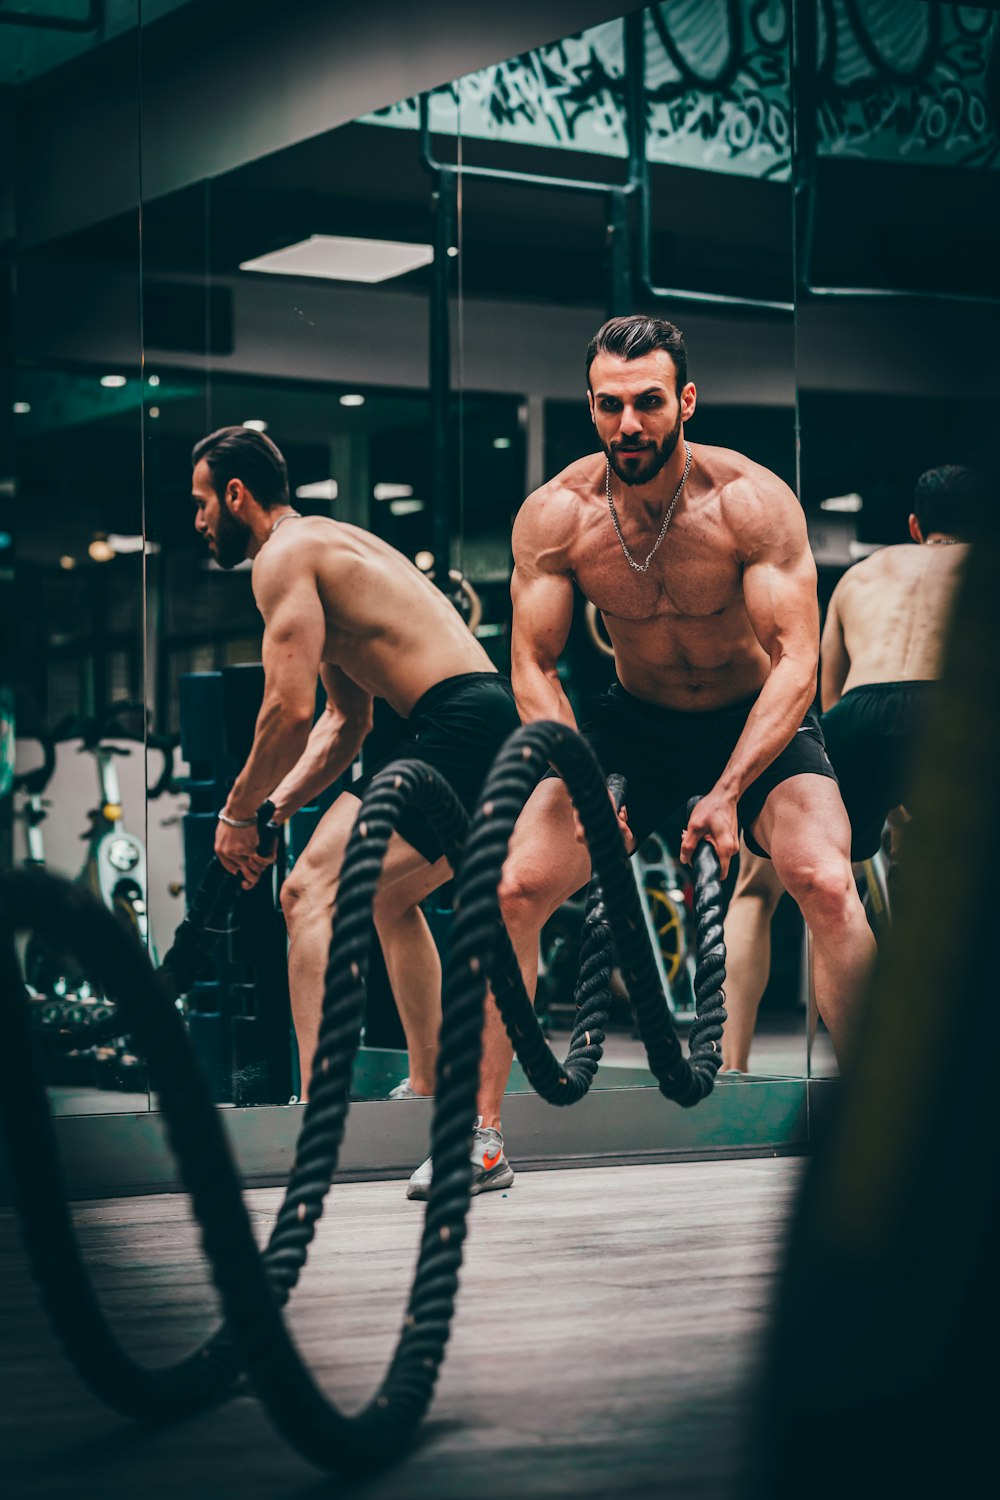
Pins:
<point x="393" y="491"/>
<point x="154" y="380"/>
<point x="154" y="412"/>
<point x="405" y="507"/>
<point x="452" y="251"/>
<point x="352" y="399"/>
<point x="101" y="550"/>
<point x="501" y="442"/>
<point x="255" y="424"/>
<point x="67" y="563"/>
<point x="113" y="382"/>
<point x="22" y="408"/>
<point x="845" y="503"/>
<point x="123" y="544"/>
<point x="321" y="489"/>
<point x="339" y="258"/>
<point x="424" y="561"/>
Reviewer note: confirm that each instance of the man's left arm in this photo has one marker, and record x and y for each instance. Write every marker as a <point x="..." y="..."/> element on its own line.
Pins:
<point x="779" y="591"/>
<point x="835" y="659"/>
<point x="294" y="635"/>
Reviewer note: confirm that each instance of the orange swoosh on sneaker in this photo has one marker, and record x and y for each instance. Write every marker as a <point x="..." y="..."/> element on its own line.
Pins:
<point x="489" y="1162"/>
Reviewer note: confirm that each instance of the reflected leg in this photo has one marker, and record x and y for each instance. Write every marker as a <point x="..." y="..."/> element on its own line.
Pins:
<point x="804" y="827"/>
<point x="307" y="899"/>
<point x="411" y="955"/>
<point x="546" y="864"/>
<point x="748" y="954"/>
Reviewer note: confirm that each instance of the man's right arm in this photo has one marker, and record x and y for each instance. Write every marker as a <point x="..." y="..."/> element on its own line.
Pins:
<point x="541" y="589"/>
<point x="333" y="744"/>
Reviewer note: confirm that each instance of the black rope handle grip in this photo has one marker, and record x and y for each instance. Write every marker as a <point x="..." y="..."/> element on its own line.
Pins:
<point x="592" y="991"/>
<point x="710" y="947"/>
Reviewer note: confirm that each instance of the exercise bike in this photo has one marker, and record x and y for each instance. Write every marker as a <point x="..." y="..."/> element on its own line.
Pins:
<point x="67" y="1007"/>
<point x="667" y="904"/>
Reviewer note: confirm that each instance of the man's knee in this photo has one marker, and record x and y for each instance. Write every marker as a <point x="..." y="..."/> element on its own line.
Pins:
<point x="527" y="898"/>
<point x="388" y="910"/>
<point x="303" y="900"/>
<point x="823" y="887"/>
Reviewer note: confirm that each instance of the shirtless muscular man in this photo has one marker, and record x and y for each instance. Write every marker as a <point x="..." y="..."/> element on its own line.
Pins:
<point x="344" y="606"/>
<point x="881" y="652"/>
<point x="699" y="562"/>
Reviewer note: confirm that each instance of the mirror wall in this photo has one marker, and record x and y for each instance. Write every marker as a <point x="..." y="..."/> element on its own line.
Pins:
<point x="603" y="175"/>
<point x="425" y="405"/>
<point x="897" y="305"/>
<point x="72" y="480"/>
<point x="599" y="173"/>
<point x="643" y="163"/>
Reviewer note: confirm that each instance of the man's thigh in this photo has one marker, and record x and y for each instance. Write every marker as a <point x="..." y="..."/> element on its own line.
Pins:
<point x="802" y="822"/>
<point x="546" y="859"/>
<point x="320" y="861"/>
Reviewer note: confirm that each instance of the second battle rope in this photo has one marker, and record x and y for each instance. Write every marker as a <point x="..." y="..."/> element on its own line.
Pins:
<point x="480" y="936"/>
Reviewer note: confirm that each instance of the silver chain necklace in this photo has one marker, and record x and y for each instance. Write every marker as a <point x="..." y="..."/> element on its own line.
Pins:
<point x="642" y="567"/>
<point x="288" y="516"/>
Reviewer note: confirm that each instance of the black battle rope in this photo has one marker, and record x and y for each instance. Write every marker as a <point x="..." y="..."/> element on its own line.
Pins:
<point x="486" y="948"/>
<point x="253" y="1287"/>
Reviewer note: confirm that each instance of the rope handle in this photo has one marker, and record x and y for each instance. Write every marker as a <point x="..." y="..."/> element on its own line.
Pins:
<point x="617" y="786"/>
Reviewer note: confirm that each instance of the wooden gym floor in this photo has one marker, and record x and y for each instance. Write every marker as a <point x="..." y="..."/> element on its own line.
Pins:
<point x="604" y="1345"/>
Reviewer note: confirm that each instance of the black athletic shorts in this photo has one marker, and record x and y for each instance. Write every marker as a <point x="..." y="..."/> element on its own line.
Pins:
<point x="457" y="727"/>
<point x="870" y="735"/>
<point x="670" y="755"/>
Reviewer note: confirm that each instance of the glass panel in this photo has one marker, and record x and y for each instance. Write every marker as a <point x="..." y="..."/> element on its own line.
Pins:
<point x="423" y="406"/>
<point x="72" y="530"/>
<point x="895" y="392"/>
<point x="566" y="220"/>
<point x="333" y="369"/>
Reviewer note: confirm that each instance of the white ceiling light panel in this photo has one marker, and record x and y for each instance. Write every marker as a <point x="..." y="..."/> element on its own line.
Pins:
<point x="337" y="258"/>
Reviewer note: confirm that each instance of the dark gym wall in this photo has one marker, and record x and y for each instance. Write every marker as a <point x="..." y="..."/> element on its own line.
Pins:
<point x="254" y="77"/>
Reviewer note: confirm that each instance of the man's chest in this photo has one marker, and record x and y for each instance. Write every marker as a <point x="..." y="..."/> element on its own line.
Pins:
<point x="687" y="581"/>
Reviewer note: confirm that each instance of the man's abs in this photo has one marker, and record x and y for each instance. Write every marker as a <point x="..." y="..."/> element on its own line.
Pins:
<point x="693" y="665"/>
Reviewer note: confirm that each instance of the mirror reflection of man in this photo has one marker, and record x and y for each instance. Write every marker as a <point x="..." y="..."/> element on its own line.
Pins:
<point x="342" y="605"/>
<point x="699" y="563"/>
<point x="881" y="653"/>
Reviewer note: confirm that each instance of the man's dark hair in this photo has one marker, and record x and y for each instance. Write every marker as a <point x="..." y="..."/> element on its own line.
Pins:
<point x="241" y="453"/>
<point x="631" y="338"/>
<point x="948" y="499"/>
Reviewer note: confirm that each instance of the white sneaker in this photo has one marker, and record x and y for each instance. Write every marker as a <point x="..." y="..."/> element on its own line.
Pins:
<point x="405" y="1090"/>
<point x="490" y="1168"/>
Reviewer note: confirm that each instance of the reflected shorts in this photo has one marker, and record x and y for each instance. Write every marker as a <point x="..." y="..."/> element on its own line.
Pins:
<point x="870" y="735"/>
<point x="457" y="727"/>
